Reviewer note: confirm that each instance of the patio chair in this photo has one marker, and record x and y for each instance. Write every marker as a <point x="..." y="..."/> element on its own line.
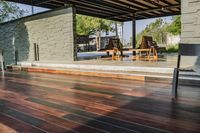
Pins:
<point x="184" y="50"/>
<point x="148" y="43"/>
<point x="116" y="47"/>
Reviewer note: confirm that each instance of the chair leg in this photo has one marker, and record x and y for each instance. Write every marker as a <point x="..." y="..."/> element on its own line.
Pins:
<point x="108" y="53"/>
<point x="113" y="55"/>
<point x="175" y="83"/>
<point x="149" y="54"/>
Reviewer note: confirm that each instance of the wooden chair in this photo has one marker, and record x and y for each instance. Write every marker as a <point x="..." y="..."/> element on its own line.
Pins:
<point x="115" y="47"/>
<point x="115" y="54"/>
<point x="145" y="42"/>
<point x="184" y="50"/>
<point x="148" y="43"/>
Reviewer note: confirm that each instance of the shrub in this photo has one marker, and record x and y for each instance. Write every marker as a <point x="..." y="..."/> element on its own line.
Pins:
<point x="172" y="48"/>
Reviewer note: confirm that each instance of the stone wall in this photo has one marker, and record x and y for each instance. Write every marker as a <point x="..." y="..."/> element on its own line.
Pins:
<point x="190" y="19"/>
<point x="53" y="31"/>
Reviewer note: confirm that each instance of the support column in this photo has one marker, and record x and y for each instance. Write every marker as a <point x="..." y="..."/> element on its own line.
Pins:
<point x="74" y="34"/>
<point x="134" y="33"/>
<point x="32" y="7"/>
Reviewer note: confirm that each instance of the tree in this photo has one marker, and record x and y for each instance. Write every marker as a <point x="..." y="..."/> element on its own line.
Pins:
<point x="159" y="30"/>
<point x="156" y="29"/>
<point x="175" y="27"/>
<point x="84" y="25"/>
<point x="9" y="11"/>
<point x="87" y="25"/>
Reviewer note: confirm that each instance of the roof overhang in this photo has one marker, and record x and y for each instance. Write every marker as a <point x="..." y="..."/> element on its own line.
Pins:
<point x="119" y="10"/>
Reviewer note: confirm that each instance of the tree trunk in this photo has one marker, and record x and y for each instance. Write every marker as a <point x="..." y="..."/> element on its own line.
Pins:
<point x="98" y="40"/>
<point x="100" y="46"/>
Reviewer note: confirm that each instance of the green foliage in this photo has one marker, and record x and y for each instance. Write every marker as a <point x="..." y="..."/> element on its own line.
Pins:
<point x="84" y="26"/>
<point x="175" y="27"/>
<point x="159" y="30"/>
<point x="87" y="25"/>
<point x="155" y="29"/>
<point x="9" y="11"/>
<point x="172" y="48"/>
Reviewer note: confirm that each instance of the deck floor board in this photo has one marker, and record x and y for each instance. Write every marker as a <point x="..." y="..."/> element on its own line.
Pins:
<point x="79" y="104"/>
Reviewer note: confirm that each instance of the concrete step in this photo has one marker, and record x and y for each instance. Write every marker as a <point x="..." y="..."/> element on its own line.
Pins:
<point x="185" y="79"/>
<point x="100" y="67"/>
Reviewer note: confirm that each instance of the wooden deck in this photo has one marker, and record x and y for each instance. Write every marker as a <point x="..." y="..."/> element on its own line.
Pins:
<point x="41" y="103"/>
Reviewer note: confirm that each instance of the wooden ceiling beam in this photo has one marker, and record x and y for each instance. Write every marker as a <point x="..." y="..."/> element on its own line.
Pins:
<point x="166" y="2"/>
<point x="159" y="8"/>
<point x="54" y="4"/>
<point x="141" y="4"/>
<point x="157" y="5"/>
<point x="157" y="16"/>
<point x="89" y="13"/>
<point x="39" y="2"/>
<point x="122" y="3"/>
<point x="120" y="10"/>
<point x="88" y="5"/>
<point x="94" y="10"/>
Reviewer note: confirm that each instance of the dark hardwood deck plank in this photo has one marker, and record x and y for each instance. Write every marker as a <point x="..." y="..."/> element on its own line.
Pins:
<point x="114" y="104"/>
<point x="132" y="91"/>
<point x="86" y="116"/>
<point x="36" y="122"/>
<point x="4" y="98"/>
<point x="84" y="104"/>
<point x="53" y="119"/>
<point x="139" y="119"/>
<point x="19" y="126"/>
<point x="148" y="103"/>
<point x="90" y="81"/>
<point x="146" y="110"/>
<point x="151" y="110"/>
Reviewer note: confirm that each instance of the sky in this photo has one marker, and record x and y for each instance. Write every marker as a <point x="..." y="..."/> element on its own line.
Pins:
<point x="140" y="24"/>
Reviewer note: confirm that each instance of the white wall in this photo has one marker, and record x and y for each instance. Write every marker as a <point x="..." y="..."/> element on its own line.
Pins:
<point x="171" y="39"/>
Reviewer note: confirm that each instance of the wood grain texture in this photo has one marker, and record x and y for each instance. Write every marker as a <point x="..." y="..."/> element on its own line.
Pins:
<point x="78" y="72"/>
<point x="43" y="103"/>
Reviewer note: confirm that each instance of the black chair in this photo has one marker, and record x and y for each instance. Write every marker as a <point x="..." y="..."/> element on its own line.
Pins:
<point x="184" y="50"/>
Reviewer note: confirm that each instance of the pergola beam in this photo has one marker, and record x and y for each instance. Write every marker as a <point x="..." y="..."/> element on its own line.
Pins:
<point x="114" y="9"/>
<point x="147" y="11"/>
<point x="39" y="2"/>
<point x="157" y="9"/>
<point x="97" y="6"/>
